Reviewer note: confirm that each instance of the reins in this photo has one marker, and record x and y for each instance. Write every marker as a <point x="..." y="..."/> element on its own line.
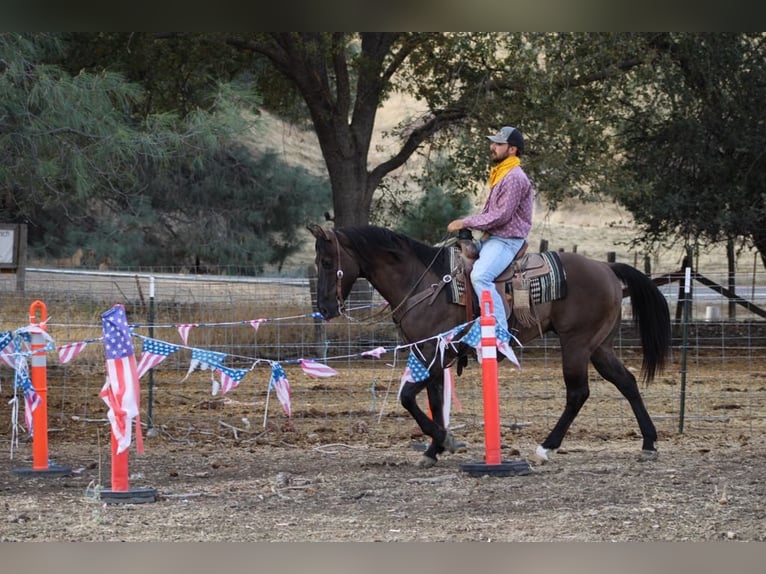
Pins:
<point x="406" y="298"/>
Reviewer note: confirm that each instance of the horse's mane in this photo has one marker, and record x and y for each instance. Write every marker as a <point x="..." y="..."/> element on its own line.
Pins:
<point x="369" y="239"/>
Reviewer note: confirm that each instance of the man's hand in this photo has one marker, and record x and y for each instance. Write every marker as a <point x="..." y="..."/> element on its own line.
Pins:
<point x="455" y="225"/>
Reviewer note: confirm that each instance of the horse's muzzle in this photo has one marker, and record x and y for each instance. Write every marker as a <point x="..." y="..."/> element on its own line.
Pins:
<point x="329" y="313"/>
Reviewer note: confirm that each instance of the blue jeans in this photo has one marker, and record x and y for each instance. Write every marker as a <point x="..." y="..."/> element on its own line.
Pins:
<point x="495" y="254"/>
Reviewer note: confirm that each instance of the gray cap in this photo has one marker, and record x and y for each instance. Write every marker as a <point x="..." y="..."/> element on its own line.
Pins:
<point x="509" y="135"/>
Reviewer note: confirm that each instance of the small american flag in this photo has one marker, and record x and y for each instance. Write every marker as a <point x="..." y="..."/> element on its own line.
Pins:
<point x="31" y="398"/>
<point x="230" y="378"/>
<point x="70" y="351"/>
<point x="281" y="386"/>
<point x="503" y="337"/>
<point x="255" y="323"/>
<point x="317" y="370"/>
<point x="376" y="352"/>
<point x="153" y="353"/>
<point x="7" y="349"/>
<point x="120" y="391"/>
<point x="473" y="336"/>
<point x="418" y="371"/>
<point x="203" y="359"/>
<point x="183" y="330"/>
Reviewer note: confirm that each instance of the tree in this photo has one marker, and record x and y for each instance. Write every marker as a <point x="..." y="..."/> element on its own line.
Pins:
<point x="343" y="79"/>
<point x="72" y="150"/>
<point x="695" y="147"/>
<point x="85" y="168"/>
<point x="469" y="84"/>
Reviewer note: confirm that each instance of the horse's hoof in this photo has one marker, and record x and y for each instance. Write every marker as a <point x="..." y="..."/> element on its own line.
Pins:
<point x="450" y="444"/>
<point x="541" y="455"/>
<point x="425" y="462"/>
<point x="648" y="455"/>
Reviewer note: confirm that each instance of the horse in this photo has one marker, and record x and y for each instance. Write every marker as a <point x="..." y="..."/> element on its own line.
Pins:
<point x="405" y="271"/>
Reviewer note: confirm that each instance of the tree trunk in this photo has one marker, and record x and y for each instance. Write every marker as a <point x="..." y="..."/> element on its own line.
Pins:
<point x="759" y="241"/>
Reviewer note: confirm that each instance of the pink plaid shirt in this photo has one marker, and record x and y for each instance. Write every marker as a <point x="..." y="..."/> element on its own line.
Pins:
<point x="508" y="209"/>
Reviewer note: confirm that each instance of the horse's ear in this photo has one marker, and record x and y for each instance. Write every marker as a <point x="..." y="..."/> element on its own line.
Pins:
<point x="317" y="231"/>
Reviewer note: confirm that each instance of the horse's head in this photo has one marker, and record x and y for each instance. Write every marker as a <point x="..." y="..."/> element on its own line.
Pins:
<point x="337" y="269"/>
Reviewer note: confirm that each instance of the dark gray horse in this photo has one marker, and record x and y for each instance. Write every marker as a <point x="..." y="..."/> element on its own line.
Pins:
<point x="586" y="320"/>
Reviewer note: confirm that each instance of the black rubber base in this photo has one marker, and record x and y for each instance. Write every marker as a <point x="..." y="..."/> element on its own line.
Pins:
<point x="133" y="496"/>
<point x="52" y="471"/>
<point x="505" y="468"/>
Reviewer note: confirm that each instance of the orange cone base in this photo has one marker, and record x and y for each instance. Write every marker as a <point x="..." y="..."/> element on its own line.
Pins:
<point x="131" y="496"/>
<point x="505" y="468"/>
<point x="52" y="470"/>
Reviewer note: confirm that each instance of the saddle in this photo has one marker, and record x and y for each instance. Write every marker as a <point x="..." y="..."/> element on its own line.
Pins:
<point x="530" y="278"/>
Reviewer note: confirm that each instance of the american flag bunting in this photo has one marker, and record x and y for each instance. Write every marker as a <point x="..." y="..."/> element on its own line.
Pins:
<point x="68" y="352"/>
<point x="376" y="352"/>
<point x="184" y="330"/>
<point x="317" y="370"/>
<point x="7" y="349"/>
<point x="230" y="378"/>
<point x="153" y="352"/>
<point x="281" y="387"/>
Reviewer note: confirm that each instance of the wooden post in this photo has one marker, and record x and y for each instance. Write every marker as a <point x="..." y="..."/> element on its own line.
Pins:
<point x="732" y="278"/>
<point x="21" y="261"/>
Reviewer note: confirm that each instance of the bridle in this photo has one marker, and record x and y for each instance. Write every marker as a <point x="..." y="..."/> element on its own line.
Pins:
<point x="339" y="280"/>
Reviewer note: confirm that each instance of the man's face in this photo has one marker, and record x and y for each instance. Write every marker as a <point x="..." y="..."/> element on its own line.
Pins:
<point x="498" y="152"/>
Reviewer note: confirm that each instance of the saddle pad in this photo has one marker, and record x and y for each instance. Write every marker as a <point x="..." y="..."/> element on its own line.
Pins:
<point x="551" y="286"/>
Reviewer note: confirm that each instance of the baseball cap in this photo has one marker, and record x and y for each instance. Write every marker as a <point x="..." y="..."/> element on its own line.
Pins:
<point x="509" y="135"/>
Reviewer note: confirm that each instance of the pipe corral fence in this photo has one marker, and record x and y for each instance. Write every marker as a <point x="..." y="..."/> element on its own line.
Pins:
<point x="725" y="364"/>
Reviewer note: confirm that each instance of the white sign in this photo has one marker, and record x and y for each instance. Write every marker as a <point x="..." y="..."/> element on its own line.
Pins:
<point x="6" y="246"/>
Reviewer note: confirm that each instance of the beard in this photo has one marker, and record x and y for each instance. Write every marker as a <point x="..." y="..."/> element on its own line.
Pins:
<point x="498" y="158"/>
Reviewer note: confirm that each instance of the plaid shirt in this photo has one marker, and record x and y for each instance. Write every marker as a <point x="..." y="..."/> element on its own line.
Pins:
<point x="508" y="209"/>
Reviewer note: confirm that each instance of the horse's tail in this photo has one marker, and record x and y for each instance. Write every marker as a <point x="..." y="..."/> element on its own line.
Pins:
<point x="651" y="316"/>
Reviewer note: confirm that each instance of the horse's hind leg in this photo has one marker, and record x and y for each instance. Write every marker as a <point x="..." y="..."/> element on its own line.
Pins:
<point x="576" y="381"/>
<point x="613" y="370"/>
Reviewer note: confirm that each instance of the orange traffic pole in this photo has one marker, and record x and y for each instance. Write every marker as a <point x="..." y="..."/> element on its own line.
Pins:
<point x="489" y="381"/>
<point x="120" y="480"/>
<point x="493" y="464"/>
<point x="39" y="374"/>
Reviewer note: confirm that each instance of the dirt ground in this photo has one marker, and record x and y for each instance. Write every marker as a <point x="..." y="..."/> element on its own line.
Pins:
<point x="286" y="483"/>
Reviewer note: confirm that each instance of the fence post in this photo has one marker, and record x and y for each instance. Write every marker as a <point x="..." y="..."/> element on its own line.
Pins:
<point x="687" y="303"/>
<point x="732" y="278"/>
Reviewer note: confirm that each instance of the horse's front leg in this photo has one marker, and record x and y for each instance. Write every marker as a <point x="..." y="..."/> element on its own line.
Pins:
<point x="433" y="426"/>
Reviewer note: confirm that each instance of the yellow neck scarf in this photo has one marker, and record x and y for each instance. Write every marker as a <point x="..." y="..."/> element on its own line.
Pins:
<point x="499" y="171"/>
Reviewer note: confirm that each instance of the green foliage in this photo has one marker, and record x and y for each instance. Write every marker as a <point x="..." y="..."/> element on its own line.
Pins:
<point x="426" y="219"/>
<point x="236" y="212"/>
<point x="179" y="72"/>
<point x="84" y="171"/>
<point x="695" y="152"/>
<point x="430" y="215"/>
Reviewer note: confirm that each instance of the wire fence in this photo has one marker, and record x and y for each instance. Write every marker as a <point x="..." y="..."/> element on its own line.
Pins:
<point x="258" y="321"/>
